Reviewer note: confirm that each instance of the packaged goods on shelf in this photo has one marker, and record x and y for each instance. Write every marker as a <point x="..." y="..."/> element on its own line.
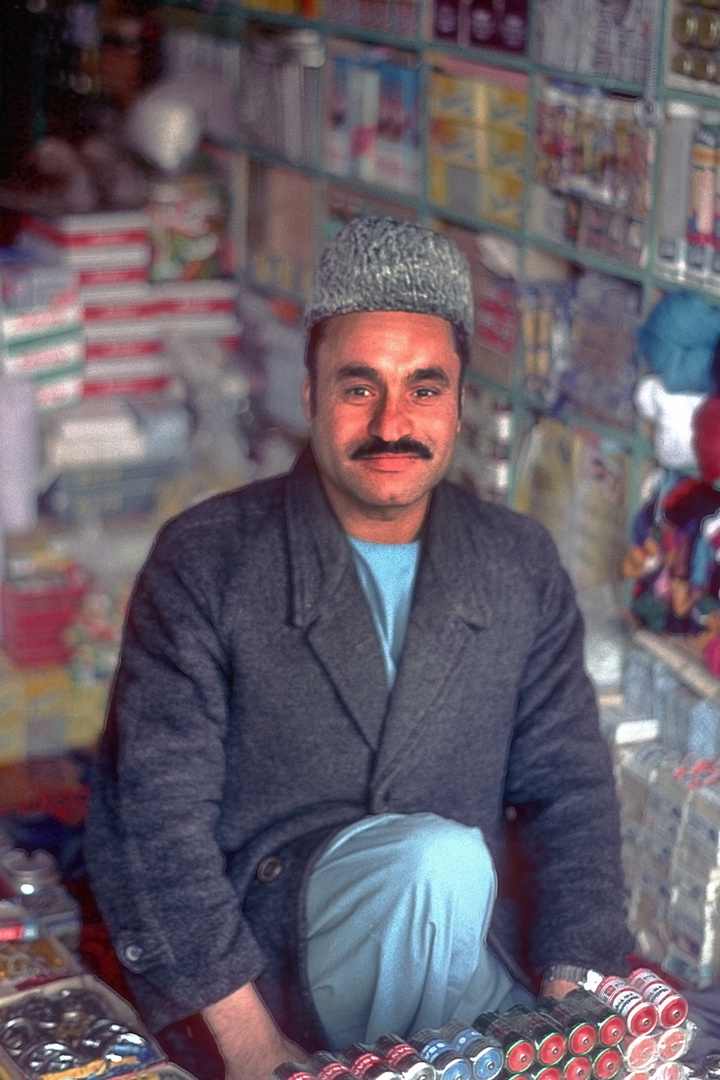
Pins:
<point x="670" y="819"/>
<point x="692" y="56"/>
<point x="109" y="303"/>
<point x="19" y="454"/>
<point x="590" y="38"/>
<point x="688" y="236"/>
<point x="497" y="327"/>
<point x="280" y="238"/>
<point x="650" y="894"/>
<point x="36" y="300"/>
<point x="144" y="375"/>
<point x="673" y="196"/>
<point x="490" y="148"/>
<point x="602" y="362"/>
<point x="372" y="125"/>
<point x="397" y="150"/>
<point x="116" y="431"/>
<point x="276" y="343"/>
<point x="482" y="455"/>
<point x="399" y="17"/>
<point x="187" y="227"/>
<point x="578" y="344"/>
<point x="592" y="171"/>
<point x="495" y="197"/>
<point x="45" y="357"/>
<point x="38" y="725"/>
<point x="622" y="726"/>
<point x="101" y="247"/>
<point x="127" y="328"/>
<point x="36" y="611"/>
<point x="41" y="960"/>
<point x="476" y="145"/>
<point x="96" y="632"/>
<point x="576" y="484"/>
<point x="279" y="99"/>
<point x="41" y="327"/>
<point x="477" y="94"/>
<point x="101" y="491"/>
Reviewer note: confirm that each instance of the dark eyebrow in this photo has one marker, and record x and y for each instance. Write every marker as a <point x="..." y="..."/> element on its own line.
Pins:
<point x="365" y="371"/>
<point x="430" y="374"/>
<point x="356" y="371"/>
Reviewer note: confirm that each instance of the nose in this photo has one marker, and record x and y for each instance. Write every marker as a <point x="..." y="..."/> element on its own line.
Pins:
<point x="390" y="419"/>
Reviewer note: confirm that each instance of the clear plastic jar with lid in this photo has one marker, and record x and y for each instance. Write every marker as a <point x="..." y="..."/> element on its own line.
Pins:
<point x="35" y="879"/>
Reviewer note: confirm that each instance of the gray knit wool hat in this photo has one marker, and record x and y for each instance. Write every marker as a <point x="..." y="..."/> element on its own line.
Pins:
<point x="379" y="264"/>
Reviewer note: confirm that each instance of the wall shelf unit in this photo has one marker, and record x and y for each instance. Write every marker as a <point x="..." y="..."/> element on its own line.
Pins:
<point x="620" y="118"/>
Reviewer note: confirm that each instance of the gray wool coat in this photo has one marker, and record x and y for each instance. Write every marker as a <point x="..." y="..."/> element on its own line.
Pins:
<point x="250" y="718"/>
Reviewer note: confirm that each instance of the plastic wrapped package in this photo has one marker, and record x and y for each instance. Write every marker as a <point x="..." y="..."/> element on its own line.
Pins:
<point x="675" y="718"/>
<point x="637" y="682"/>
<point x="649" y="898"/>
<point x="24" y="963"/>
<point x="704" y="730"/>
<point x="693" y="922"/>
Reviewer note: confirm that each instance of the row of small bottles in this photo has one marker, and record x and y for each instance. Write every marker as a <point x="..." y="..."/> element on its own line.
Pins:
<point x="487" y="24"/>
<point x="569" y="1040"/>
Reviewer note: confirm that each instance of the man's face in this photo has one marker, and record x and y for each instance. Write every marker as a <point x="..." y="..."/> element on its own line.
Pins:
<point x="386" y="411"/>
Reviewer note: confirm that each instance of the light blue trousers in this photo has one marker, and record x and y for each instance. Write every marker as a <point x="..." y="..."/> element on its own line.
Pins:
<point x="398" y="911"/>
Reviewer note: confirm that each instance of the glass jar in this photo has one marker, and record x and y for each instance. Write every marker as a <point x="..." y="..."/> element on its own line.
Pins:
<point x="35" y="879"/>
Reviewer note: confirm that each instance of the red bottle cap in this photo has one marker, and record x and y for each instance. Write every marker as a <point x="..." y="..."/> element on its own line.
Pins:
<point x="607" y="1063"/>
<point x="612" y="1030"/>
<point x="582" y="1039"/>
<point x="641" y="1018"/>
<point x="520" y="1056"/>
<point x="673" y="1012"/>
<point x="548" y="1073"/>
<point x="552" y="1049"/>
<point x="577" y="1068"/>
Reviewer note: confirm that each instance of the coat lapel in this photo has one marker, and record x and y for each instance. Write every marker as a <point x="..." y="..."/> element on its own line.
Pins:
<point x="449" y="608"/>
<point x="329" y="604"/>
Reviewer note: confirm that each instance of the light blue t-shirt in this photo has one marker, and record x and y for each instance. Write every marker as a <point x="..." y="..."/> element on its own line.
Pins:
<point x="387" y="574"/>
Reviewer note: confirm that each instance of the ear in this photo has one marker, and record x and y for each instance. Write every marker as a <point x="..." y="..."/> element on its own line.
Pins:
<point x="306" y="394"/>
<point x="462" y="406"/>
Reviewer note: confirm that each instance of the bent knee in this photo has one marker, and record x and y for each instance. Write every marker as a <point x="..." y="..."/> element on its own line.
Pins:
<point x="435" y="848"/>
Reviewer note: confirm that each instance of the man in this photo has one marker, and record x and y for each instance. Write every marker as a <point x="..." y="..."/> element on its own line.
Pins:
<point x="335" y="688"/>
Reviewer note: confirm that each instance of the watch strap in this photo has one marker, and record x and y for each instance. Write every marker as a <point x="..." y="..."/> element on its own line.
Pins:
<point x="583" y="976"/>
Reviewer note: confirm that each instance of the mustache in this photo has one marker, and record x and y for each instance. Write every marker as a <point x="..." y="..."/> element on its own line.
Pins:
<point x="405" y="445"/>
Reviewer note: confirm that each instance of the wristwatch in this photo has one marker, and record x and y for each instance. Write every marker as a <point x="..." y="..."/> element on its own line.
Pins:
<point x="583" y="976"/>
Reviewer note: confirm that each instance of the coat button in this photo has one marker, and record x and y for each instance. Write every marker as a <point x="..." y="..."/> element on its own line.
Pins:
<point x="132" y="953"/>
<point x="270" y="869"/>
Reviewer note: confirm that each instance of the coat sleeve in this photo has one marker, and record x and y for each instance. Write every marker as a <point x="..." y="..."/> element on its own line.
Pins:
<point x="153" y="858"/>
<point x="561" y="784"/>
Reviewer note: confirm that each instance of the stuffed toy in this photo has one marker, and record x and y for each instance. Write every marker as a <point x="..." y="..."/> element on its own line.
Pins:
<point x="674" y="557"/>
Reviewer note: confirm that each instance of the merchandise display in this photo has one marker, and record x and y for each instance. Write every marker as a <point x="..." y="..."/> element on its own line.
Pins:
<point x="620" y="1029"/>
<point x="592" y="170"/>
<point x="74" y="1023"/>
<point x="667" y="776"/>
